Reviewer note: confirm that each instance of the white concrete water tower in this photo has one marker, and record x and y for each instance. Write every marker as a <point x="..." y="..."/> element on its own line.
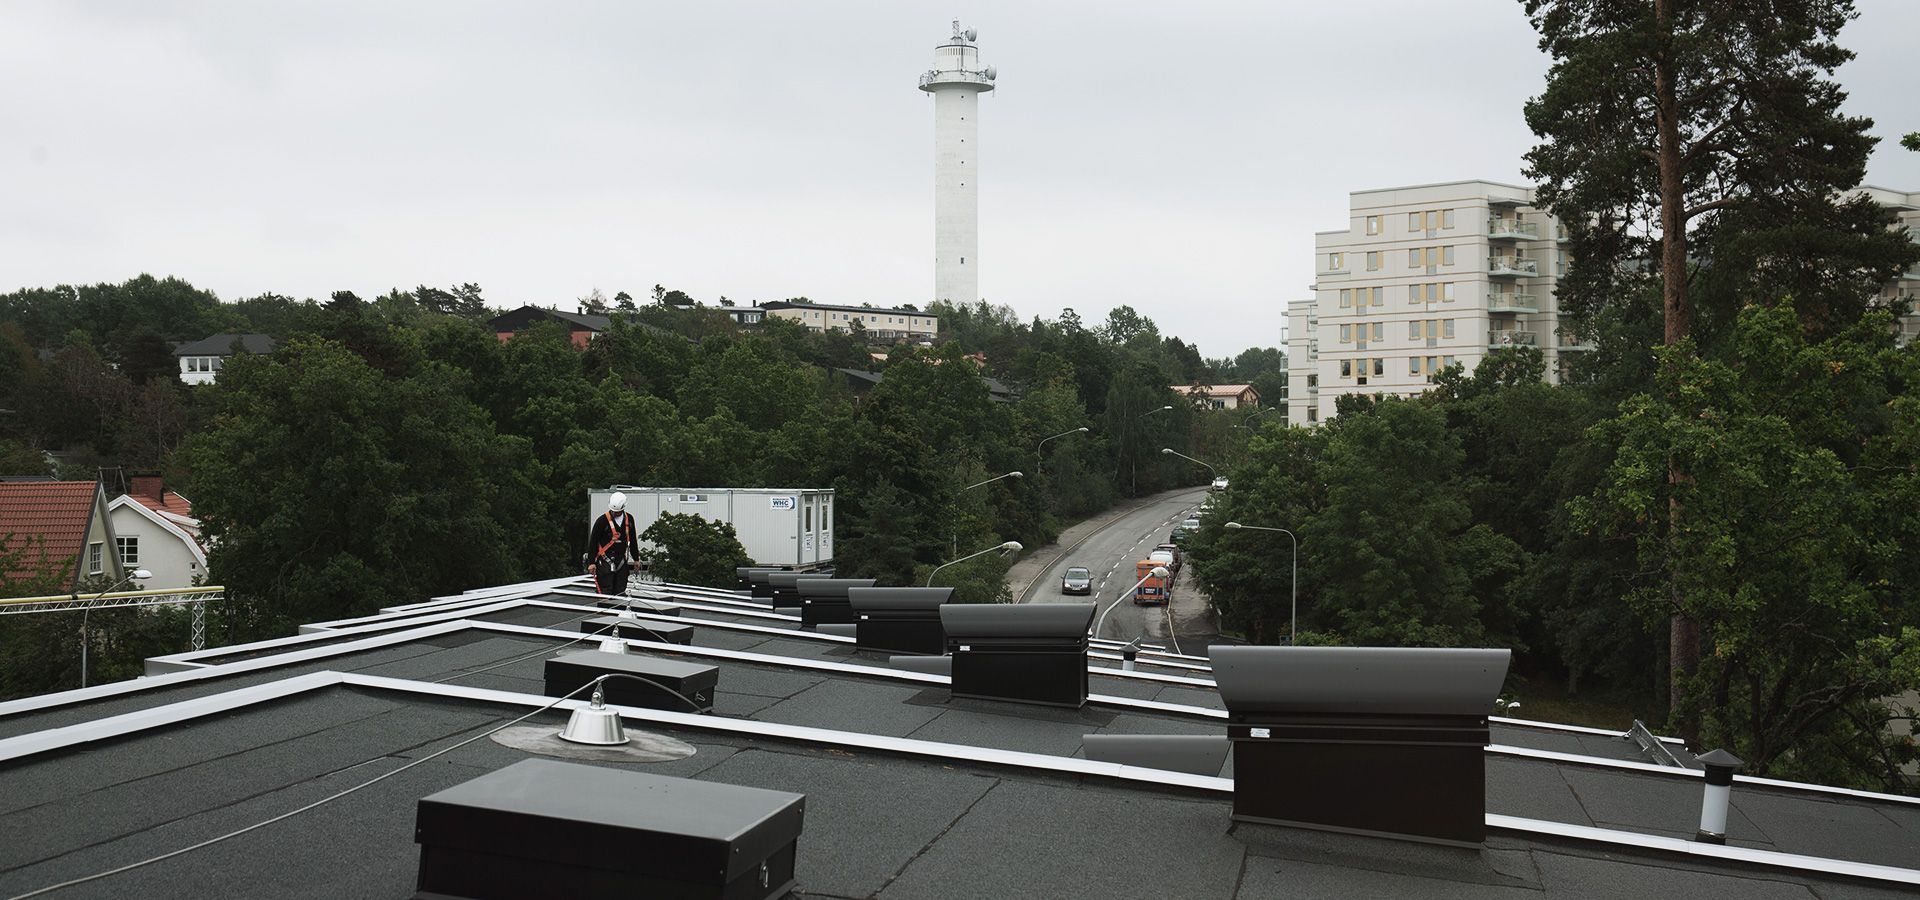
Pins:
<point x="956" y="82"/>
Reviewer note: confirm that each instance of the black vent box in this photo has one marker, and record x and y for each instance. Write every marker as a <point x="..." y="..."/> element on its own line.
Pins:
<point x="646" y="606"/>
<point x="543" y="828"/>
<point x="661" y="683"/>
<point x="899" y="619"/>
<point x="638" y="629"/>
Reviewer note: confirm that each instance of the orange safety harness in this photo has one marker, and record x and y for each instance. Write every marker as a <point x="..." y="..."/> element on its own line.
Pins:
<point x="614" y="535"/>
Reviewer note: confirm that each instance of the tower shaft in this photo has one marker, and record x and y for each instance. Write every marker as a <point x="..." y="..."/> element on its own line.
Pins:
<point x="956" y="83"/>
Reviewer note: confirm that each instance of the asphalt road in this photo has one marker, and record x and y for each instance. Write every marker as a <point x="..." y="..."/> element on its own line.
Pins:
<point x="1110" y="551"/>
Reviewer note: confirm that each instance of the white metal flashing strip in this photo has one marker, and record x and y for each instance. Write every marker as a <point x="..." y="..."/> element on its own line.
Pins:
<point x="173" y="713"/>
<point x="237" y="667"/>
<point x="1772" y="859"/>
<point x="1671" y="772"/>
<point x="752" y="728"/>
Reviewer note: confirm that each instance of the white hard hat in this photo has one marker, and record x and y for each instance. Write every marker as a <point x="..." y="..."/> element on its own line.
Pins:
<point x="618" y="502"/>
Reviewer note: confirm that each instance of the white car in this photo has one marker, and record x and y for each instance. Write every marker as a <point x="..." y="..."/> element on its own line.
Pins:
<point x="1219" y="484"/>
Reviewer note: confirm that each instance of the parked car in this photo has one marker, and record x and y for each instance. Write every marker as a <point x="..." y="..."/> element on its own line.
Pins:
<point x="1077" y="581"/>
<point x="1219" y="484"/>
<point x="1178" y="536"/>
<point x="1192" y="523"/>
<point x="1172" y="554"/>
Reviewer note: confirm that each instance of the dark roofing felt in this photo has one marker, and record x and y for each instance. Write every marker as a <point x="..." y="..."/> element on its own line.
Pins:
<point x="878" y="824"/>
<point x="222" y="345"/>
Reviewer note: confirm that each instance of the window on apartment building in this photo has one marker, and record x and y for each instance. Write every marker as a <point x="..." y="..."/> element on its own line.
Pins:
<point x="1378" y="294"/>
<point x="1413" y="365"/>
<point x="1430" y="361"/>
<point x="1346" y="297"/>
<point x="1346" y="334"/>
<point x="1373" y="260"/>
<point x="1446" y="218"/>
<point x="1336" y="261"/>
<point x="129" y="548"/>
<point x="1373" y="224"/>
<point x="1313" y="379"/>
<point x="1414" y="257"/>
<point x="1446" y="291"/>
<point x="1446" y="328"/>
<point x="1346" y="368"/>
<point x="1413" y="330"/>
<point x="1446" y="255"/>
<point x="1313" y="414"/>
<point x="1379" y="365"/>
<point x="1379" y="331"/>
<point x="1416" y="221"/>
<point x="96" y="558"/>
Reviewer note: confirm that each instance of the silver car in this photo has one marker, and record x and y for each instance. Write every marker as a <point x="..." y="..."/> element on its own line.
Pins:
<point x="1077" y="581"/>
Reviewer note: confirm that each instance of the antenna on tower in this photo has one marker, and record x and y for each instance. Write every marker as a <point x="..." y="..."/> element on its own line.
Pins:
<point x="956" y="28"/>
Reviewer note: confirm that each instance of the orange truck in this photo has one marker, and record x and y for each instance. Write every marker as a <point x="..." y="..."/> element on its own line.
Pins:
<point x="1153" y="588"/>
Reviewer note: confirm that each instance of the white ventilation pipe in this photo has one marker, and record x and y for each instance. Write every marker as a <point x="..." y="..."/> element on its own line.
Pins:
<point x="1719" y="790"/>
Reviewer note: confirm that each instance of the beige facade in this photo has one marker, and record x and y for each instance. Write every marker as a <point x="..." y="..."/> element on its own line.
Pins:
<point x="883" y="324"/>
<point x="1421" y="278"/>
<point x="1905" y="289"/>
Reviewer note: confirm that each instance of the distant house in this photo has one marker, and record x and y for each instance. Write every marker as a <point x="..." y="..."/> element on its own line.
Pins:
<point x="879" y="324"/>
<point x="154" y="529"/>
<point x="201" y="361"/>
<point x="58" y="525"/>
<point x="1220" y="396"/>
<point x="581" y="327"/>
<point x="745" y="315"/>
<point x="863" y="382"/>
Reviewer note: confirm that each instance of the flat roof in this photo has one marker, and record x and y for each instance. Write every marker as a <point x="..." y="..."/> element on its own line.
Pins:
<point x="911" y="792"/>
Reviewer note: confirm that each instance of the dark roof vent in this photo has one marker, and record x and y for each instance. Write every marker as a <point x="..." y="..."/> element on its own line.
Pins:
<point x="1380" y="740"/>
<point x="655" y="683"/>
<point x="785" y="594"/>
<point x="743" y="575"/>
<point x="899" y="619"/>
<point x="823" y="601"/>
<point x="638" y="629"/>
<point x="760" y="581"/>
<point x="1033" y="653"/>
<point x="541" y="828"/>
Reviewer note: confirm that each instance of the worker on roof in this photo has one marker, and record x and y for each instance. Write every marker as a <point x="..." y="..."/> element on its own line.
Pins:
<point x="612" y="547"/>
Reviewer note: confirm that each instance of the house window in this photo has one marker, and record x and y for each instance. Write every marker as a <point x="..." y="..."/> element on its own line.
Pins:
<point x="1373" y="224"/>
<point x="1446" y="328"/>
<point x="96" y="558"/>
<point x="1373" y="260"/>
<point x="1336" y="261"/>
<point x="1346" y="334"/>
<point x="129" y="548"/>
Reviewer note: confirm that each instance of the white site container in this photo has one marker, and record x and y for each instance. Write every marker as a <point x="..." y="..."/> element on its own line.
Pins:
<point x="777" y="526"/>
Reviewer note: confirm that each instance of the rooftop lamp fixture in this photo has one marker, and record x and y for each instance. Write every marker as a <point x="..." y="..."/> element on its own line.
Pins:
<point x="594" y="723"/>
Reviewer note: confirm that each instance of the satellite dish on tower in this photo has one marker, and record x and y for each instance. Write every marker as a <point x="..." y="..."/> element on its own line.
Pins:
<point x="992" y="73"/>
<point x="971" y="34"/>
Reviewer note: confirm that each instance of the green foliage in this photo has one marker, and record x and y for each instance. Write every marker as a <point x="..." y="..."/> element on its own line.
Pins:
<point x="692" y="550"/>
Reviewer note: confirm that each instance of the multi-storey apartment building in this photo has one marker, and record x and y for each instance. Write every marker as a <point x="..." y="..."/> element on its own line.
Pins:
<point x="880" y="324"/>
<point x="1421" y="278"/>
<point x="1906" y="288"/>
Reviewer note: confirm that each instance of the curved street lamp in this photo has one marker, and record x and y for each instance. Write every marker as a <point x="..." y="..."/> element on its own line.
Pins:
<point x="1210" y="468"/>
<point x="1010" y="546"/>
<point x="1293" y="615"/>
<point x="1263" y="411"/>
<point x="994" y="479"/>
<point x="1042" y="465"/>
<point x="1155" y="572"/>
<point x="135" y="575"/>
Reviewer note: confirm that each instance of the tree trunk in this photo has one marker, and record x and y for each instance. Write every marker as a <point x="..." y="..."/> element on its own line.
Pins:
<point x="1683" y="633"/>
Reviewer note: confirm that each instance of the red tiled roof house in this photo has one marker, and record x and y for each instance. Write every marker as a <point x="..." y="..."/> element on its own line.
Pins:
<point x="57" y="526"/>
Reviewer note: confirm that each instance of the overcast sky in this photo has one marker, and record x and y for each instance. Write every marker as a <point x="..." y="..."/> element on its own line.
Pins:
<point x="1173" y="156"/>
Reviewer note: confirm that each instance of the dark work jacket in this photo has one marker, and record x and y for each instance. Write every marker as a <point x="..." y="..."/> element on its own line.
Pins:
<point x="602" y="535"/>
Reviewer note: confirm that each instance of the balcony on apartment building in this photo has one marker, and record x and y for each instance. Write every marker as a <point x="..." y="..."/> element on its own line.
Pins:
<point x="1567" y="341"/>
<point x="1510" y="337"/>
<point x="1505" y="229"/>
<point x="1515" y="302"/>
<point x="1512" y="267"/>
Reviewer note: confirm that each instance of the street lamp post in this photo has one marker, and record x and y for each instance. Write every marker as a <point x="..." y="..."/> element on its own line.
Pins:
<point x="956" y="536"/>
<point x="1293" y="615"/>
<point x="135" y="575"/>
<point x="1136" y="458"/>
<point x="1042" y="460"/>
<point x="1210" y="468"/>
<point x="1010" y="546"/>
<point x="1155" y="572"/>
<point x="1261" y="412"/>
